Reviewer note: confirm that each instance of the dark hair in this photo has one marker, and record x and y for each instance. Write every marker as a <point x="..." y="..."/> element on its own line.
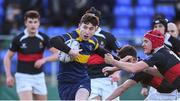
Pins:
<point x="93" y="10"/>
<point x="159" y="19"/>
<point x="90" y="18"/>
<point x="127" y="50"/>
<point x="31" y="14"/>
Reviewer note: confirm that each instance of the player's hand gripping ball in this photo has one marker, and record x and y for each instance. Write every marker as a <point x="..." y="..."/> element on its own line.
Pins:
<point x="73" y="44"/>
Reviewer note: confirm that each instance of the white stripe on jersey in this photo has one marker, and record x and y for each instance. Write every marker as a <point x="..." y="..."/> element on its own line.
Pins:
<point x="26" y="35"/>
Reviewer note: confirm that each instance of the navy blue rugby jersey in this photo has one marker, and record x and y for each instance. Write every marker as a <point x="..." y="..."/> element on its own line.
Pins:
<point x="167" y="62"/>
<point x="29" y="49"/>
<point x="77" y="70"/>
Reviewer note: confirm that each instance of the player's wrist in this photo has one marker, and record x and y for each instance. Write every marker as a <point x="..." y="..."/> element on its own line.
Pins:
<point x="113" y="61"/>
<point x="117" y="63"/>
<point x="46" y="60"/>
<point x="8" y="75"/>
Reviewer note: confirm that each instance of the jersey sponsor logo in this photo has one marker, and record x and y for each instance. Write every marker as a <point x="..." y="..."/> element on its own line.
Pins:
<point x="81" y="86"/>
<point x="23" y="45"/>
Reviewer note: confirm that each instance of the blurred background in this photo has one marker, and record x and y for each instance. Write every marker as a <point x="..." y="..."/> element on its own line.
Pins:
<point x="127" y="20"/>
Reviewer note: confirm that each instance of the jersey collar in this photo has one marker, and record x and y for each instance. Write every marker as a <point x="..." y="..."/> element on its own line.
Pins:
<point x="36" y="34"/>
<point x="158" y="48"/>
<point x="78" y="32"/>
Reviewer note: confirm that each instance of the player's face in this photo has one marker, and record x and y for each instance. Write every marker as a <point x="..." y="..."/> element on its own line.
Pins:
<point x="86" y="31"/>
<point x="172" y="30"/>
<point x="147" y="46"/>
<point x="159" y="27"/>
<point x="32" y="25"/>
<point x="132" y="60"/>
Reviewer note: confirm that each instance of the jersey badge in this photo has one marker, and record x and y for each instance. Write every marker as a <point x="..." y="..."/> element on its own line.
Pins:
<point x="23" y="45"/>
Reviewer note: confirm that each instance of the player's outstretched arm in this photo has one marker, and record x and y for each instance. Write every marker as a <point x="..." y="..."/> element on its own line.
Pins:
<point x="121" y="89"/>
<point x="130" y="67"/>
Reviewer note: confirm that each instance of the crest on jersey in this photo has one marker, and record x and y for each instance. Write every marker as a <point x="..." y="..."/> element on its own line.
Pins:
<point x="40" y="45"/>
<point x="91" y="47"/>
<point x="102" y="44"/>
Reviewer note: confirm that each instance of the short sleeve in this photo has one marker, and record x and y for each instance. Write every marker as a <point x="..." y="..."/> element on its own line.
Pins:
<point x="142" y="77"/>
<point x="112" y="42"/>
<point x="47" y="41"/>
<point x="14" y="44"/>
<point x="136" y="77"/>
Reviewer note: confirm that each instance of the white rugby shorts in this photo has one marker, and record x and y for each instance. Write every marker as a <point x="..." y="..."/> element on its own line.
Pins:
<point x="102" y="87"/>
<point x="28" y="82"/>
<point x="155" y="95"/>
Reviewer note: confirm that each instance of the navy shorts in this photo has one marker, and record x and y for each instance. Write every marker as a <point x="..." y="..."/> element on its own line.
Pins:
<point x="67" y="90"/>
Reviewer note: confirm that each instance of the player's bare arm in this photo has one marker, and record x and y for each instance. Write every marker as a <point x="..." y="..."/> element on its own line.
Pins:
<point x="7" y="65"/>
<point x="121" y="89"/>
<point x="139" y="66"/>
<point x="53" y="57"/>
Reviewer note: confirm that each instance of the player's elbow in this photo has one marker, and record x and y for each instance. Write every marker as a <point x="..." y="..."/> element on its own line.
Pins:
<point x="53" y="41"/>
<point x="7" y="58"/>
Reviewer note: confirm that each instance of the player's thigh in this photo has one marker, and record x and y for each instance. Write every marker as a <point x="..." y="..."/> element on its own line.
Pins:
<point x="23" y="82"/>
<point x="178" y="96"/>
<point x="102" y="87"/>
<point x="40" y="97"/>
<point x="162" y="96"/>
<point x="83" y="90"/>
<point x="82" y="94"/>
<point x="108" y="88"/>
<point x="95" y="89"/>
<point x="39" y="85"/>
<point x="67" y="90"/>
<point x="25" y="95"/>
<point x="95" y="98"/>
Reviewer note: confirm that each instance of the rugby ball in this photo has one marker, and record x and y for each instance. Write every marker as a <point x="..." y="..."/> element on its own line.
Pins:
<point x="73" y="44"/>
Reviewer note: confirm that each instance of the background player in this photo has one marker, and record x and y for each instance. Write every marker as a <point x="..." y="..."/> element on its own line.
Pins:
<point x="159" y="83"/>
<point x="166" y="61"/>
<point x="161" y="23"/>
<point x="172" y="29"/>
<point x="101" y="86"/>
<point x="29" y="45"/>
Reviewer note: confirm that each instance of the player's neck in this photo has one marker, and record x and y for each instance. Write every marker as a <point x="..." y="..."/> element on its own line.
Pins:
<point x="31" y="34"/>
